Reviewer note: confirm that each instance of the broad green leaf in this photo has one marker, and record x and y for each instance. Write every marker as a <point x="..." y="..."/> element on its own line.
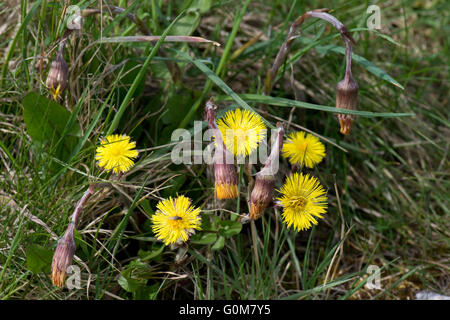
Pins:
<point x="38" y="258"/>
<point x="219" y="243"/>
<point x="144" y="292"/>
<point x="186" y="25"/>
<point x="229" y="228"/>
<point x="202" y="5"/>
<point x="46" y="120"/>
<point x="177" y="106"/>
<point x="128" y="284"/>
<point x="204" y="238"/>
<point x="149" y="255"/>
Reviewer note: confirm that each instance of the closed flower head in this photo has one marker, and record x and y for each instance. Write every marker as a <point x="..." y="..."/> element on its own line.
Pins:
<point x="303" y="149"/>
<point x="175" y="220"/>
<point x="303" y="200"/>
<point x="62" y="258"/>
<point x="225" y="175"/>
<point x="346" y="98"/>
<point x="226" y="179"/>
<point x="347" y="92"/>
<point x="116" y="153"/>
<point x="241" y="130"/>
<point x="262" y="193"/>
<point x="58" y="74"/>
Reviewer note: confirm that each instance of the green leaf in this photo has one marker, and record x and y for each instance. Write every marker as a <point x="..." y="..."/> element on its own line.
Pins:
<point x="229" y="228"/>
<point x="219" y="243"/>
<point x="38" y="258"/>
<point x="147" y="292"/>
<point x="135" y="275"/>
<point x="128" y="284"/>
<point x="202" y="5"/>
<point x="204" y="238"/>
<point x="187" y="24"/>
<point x="177" y="106"/>
<point x="149" y="255"/>
<point x="46" y="120"/>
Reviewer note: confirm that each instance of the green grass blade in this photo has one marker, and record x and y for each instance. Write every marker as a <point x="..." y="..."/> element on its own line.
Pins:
<point x="223" y="86"/>
<point x="283" y="102"/>
<point x="127" y="99"/>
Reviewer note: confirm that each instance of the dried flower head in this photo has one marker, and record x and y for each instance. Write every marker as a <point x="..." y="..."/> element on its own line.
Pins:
<point x="303" y="200"/>
<point x="58" y="74"/>
<point x="116" y="153"/>
<point x="241" y="131"/>
<point x="62" y="257"/>
<point x="175" y="220"/>
<point x="303" y="149"/>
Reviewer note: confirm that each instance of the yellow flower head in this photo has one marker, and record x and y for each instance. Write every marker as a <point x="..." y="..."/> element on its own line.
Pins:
<point x="303" y="200"/>
<point x="116" y="153"/>
<point x="303" y="149"/>
<point x="175" y="220"/>
<point x="241" y="130"/>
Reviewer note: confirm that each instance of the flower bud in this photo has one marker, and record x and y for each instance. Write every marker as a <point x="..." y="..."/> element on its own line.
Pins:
<point x="58" y="74"/>
<point x="226" y="180"/>
<point x="225" y="175"/>
<point x="262" y="195"/>
<point x="346" y="98"/>
<point x="63" y="256"/>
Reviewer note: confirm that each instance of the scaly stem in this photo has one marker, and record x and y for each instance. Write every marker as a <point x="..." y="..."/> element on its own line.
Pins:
<point x="238" y="205"/>
<point x="284" y="49"/>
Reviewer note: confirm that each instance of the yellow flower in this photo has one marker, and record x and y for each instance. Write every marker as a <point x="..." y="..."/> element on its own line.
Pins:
<point x="241" y="130"/>
<point x="175" y="220"/>
<point x="303" y="200"/>
<point x="116" y="153"/>
<point x="304" y="149"/>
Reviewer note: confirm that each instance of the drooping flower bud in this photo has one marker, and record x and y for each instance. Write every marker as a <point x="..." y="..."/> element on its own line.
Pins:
<point x="346" y="98"/>
<point x="225" y="175"/>
<point x="347" y="91"/>
<point x="58" y="74"/>
<point x="226" y="181"/>
<point x="63" y="256"/>
<point x="262" y="193"/>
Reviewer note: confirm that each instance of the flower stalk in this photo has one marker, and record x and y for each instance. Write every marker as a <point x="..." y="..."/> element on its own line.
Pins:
<point x="65" y="249"/>
<point x="347" y="89"/>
